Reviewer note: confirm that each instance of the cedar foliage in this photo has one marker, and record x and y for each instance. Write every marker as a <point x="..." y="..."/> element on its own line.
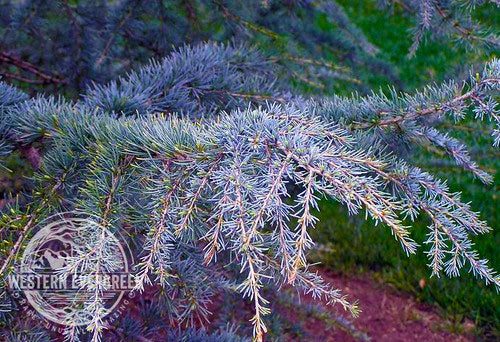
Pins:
<point x="210" y="157"/>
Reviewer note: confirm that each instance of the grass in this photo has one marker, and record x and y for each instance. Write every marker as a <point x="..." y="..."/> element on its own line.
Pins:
<point x="354" y="245"/>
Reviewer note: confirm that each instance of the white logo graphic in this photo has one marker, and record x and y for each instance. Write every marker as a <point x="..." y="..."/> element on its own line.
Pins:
<point x="71" y="262"/>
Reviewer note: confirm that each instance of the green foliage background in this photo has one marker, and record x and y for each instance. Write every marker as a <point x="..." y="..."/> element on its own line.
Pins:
<point x="354" y="245"/>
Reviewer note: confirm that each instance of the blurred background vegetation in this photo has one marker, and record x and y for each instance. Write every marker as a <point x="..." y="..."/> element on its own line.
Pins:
<point x="354" y="245"/>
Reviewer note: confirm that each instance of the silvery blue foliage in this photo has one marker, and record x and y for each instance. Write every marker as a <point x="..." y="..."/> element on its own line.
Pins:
<point x="451" y="19"/>
<point x="66" y="46"/>
<point x="226" y="202"/>
<point x="73" y="43"/>
<point x="28" y="335"/>
<point x="194" y="80"/>
<point x="8" y="97"/>
<point x="63" y="46"/>
<point x="389" y="122"/>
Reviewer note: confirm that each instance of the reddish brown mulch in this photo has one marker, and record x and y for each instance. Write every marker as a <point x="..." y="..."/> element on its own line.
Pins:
<point x="386" y="315"/>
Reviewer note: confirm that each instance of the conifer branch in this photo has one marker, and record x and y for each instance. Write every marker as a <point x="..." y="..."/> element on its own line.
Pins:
<point x="432" y="109"/>
<point x="28" y="67"/>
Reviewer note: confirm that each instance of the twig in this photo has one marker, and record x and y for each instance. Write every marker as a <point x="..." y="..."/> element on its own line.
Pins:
<point x="428" y="111"/>
<point x="20" y="78"/>
<point x="107" y="46"/>
<point x="466" y="33"/>
<point x="246" y="96"/>
<point x="256" y="28"/>
<point x="26" y="66"/>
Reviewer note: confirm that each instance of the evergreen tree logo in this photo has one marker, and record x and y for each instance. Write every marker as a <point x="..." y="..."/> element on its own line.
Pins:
<point x="71" y="265"/>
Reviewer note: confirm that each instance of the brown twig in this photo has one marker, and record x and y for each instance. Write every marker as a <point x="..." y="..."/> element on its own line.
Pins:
<point x="256" y="28"/>
<point x="107" y="46"/>
<point x="26" y="66"/>
<point x="158" y="52"/>
<point x="246" y="96"/>
<point x="424" y="112"/>
<point x="316" y="62"/>
<point x="20" y="78"/>
<point x="465" y="32"/>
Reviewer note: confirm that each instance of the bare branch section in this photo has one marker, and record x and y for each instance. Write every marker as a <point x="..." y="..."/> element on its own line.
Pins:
<point x="458" y="101"/>
<point x="44" y="77"/>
